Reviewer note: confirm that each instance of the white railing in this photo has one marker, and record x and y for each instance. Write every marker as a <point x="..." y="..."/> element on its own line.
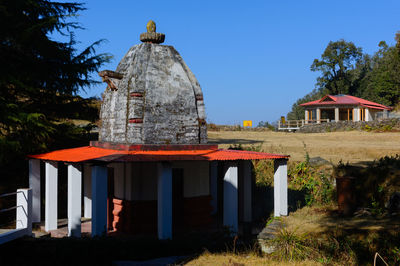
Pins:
<point x="23" y="226"/>
<point x="290" y="124"/>
<point x="315" y="121"/>
<point x="296" y="124"/>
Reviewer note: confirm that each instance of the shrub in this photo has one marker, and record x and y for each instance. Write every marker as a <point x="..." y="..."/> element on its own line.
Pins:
<point x="290" y="246"/>
<point x="318" y="185"/>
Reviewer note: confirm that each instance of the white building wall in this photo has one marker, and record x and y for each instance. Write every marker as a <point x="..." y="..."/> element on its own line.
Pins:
<point x="144" y="181"/>
<point x="196" y="181"/>
<point x="368" y="115"/>
<point x="119" y="180"/>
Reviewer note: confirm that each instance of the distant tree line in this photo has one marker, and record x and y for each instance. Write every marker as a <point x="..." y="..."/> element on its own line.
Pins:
<point x="345" y="69"/>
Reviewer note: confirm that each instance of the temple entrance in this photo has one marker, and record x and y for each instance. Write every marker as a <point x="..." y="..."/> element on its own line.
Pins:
<point x="177" y="201"/>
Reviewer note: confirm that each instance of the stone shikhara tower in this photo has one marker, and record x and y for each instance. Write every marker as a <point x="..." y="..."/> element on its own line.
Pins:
<point x="152" y="97"/>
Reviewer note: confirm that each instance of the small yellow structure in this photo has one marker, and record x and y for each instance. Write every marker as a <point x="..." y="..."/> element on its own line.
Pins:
<point x="247" y="123"/>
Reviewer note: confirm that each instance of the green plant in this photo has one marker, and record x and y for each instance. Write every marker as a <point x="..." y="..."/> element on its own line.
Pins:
<point x="368" y="128"/>
<point x="376" y="209"/>
<point x="272" y="219"/>
<point x="316" y="184"/>
<point x="396" y="254"/>
<point x="307" y="156"/>
<point x="290" y="246"/>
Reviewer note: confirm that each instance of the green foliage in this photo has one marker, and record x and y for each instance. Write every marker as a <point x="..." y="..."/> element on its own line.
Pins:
<point x="375" y="183"/>
<point x="317" y="185"/>
<point x="338" y="58"/>
<point x="297" y="112"/>
<point x="266" y="124"/>
<point x="345" y="70"/>
<point x="382" y="83"/>
<point x="42" y="76"/>
<point x="290" y="246"/>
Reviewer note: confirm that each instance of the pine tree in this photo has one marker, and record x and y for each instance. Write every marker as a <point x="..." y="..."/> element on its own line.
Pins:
<point x="39" y="75"/>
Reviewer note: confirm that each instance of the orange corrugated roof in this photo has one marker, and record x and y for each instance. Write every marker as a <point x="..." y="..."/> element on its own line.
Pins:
<point x="75" y="155"/>
<point x="88" y="153"/>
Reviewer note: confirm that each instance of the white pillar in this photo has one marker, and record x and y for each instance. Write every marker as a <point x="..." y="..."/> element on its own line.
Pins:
<point x="356" y="114"/>
<point x="87" y="191"/>
<point x="50" y="222"/>
<point x="74" y="200"/>
<point x="318" y="115"/>
<point x="99" y="200"/>
<point x="247" y="191"/>
<point x="214" y="186"/>
<point x="34" y="184"/>
<point x="306" y="116"/>
<point x="367" y="115"/>
<point x="280" y="187"/>
<point x="336" y="114"/>
<point x="230" y="217"/>
<point x="164" y="200"/>
<point x="24" y="210"/>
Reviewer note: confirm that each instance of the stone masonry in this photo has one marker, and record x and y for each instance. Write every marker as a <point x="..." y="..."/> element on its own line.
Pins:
<point x="383" y="125"/>
<point x="152" y="98"/>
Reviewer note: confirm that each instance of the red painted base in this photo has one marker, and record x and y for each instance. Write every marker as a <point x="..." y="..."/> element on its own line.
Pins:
<point x="140" y="217"/>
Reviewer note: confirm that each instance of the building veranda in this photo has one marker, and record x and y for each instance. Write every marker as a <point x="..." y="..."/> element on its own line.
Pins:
<point x="342" y="108"/>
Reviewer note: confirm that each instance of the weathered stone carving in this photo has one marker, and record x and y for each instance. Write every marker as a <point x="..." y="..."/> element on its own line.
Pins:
<point x="151" y="35"/>
<point x="156" y="99"/>
<point x="108" y="76"/>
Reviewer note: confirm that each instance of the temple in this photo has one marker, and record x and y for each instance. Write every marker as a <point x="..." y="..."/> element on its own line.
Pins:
<point x="151" y="170"/>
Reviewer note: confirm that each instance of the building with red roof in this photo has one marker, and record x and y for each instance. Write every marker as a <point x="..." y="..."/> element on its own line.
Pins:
<point x="342" y="108"/>
<point x="152" y="171"/>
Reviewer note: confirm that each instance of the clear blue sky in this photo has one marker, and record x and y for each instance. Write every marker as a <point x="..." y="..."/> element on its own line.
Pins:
<point x="252" y="58"/>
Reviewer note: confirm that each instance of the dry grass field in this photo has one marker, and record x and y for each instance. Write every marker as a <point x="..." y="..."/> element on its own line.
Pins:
<point x="350" y="146"/>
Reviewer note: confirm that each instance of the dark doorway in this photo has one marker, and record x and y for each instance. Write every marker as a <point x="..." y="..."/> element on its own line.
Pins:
<point x="177" y="201"/>
<point x="220" y="194"/>
<point x="328" y="114"/>
<point x="110" y="196"/>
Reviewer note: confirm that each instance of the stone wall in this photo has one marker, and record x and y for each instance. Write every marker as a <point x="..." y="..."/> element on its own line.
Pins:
<point x="155" y="99"/>
<point x="380" y="125"/>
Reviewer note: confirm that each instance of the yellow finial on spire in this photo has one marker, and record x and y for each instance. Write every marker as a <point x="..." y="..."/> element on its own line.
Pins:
<point x="151" y="26"/>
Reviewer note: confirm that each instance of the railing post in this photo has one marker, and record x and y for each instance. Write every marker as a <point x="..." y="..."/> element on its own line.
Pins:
<point x="24" y="210"/>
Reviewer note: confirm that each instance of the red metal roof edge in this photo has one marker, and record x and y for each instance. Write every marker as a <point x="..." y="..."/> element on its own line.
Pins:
<point x="89" y="153"/>
<point x="355" y="101"/>
<point x="328" y="96"/>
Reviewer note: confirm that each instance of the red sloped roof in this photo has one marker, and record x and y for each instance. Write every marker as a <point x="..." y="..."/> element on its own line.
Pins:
<point x="346" y="100"/>
<point x="75" y="155"/>
<point x="88" y="153"/>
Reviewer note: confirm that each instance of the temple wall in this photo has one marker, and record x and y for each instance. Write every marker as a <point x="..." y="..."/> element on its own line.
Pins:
<point x="138" y="181"/>
<point x="157" y="101"/>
